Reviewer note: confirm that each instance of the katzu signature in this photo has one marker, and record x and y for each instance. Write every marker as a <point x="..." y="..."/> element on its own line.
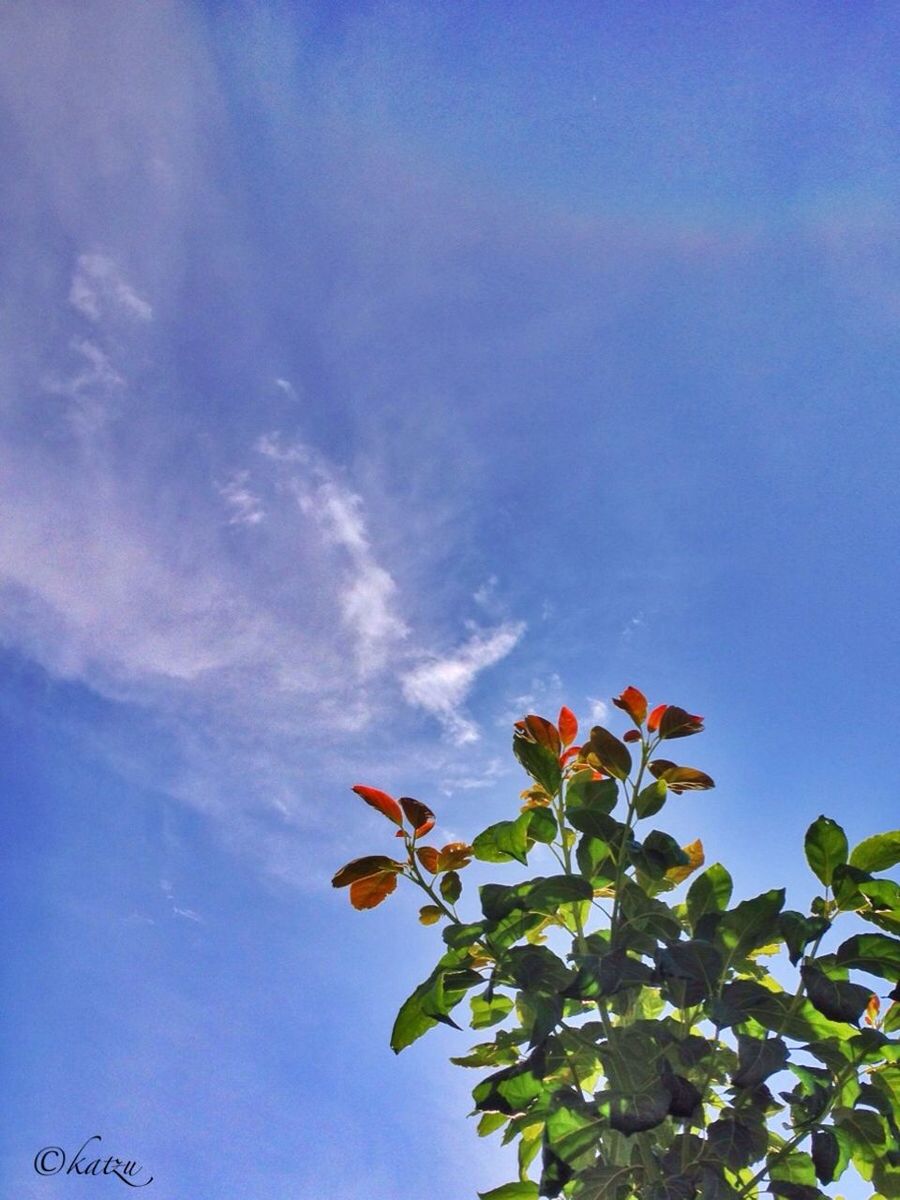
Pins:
<point x="53" y="1160"/>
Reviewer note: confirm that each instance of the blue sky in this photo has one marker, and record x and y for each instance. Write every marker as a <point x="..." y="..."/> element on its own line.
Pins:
<point x="371" y="374"/>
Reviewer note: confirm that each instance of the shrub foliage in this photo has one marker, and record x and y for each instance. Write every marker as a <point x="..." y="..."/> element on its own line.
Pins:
<point x="636" y="1043"/>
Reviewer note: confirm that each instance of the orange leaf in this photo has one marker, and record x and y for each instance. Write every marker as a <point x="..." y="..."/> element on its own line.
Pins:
<point x="544" y="732"/>
<point x="454" y="856"/>
<point x="676" y="723"/>
<point x="655" y="717"/>
<point x="873" y="1008"/>
<point x="418" y="814"/>
<point x="680" y="779"/>
<point x="634" y="703"/>
<point x="361" y="868"/>
<point x="429" y="913"/>
<point x="567" y="723"/>
<point x="696" y="858"/>
<point x="369" y="892"/>
<point x="569" y="754"/>
<point x="428" y="857"/>
<point x="385" y="804"/>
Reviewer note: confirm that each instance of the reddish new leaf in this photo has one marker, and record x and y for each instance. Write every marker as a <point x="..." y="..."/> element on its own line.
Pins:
<point x="631" y="735"/>
<point x="634" y="703"/>
<point x="655" y="717"/>
<point x="676" y="723"/>
<point x="386" y="805"/>
<point x="612" y="755"/>
<point x="568" y="755"/>
<point x="454" y="856"/>
<point x="428" y="857"/>
<point x="567" y="723"/>
<point x="544" y="732"/>
<point x="418" y="814"/>
<point x="369" y="892"/>
<point x="360" y="868"/>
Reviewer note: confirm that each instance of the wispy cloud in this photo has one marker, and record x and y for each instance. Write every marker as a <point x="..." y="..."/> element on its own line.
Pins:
<point x="99" y="289"/>
<point x="441" y="684"/>
<point x="245" y="507"/>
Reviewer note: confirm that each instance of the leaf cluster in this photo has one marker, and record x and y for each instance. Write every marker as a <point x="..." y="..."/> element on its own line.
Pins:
<point x="640" y="1046"/>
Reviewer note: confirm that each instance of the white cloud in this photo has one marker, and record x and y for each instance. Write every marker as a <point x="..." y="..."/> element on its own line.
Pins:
<point x="99" y="289"/>
<point x="599" y="709"/>
<point x="245" y="506"/>
<point x="440" y="685"/>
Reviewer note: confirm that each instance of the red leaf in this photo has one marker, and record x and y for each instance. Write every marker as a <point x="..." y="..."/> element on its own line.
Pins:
<point x="418" y="814"/>
<point x="569" y="754"/>
<point x="386" y="805"/>
<point x="631" y="735"/>
<point x="676" y="723"/>
<point x="428" y="857"/>
<point x="634" y="703"/>
<point x="544" y="732"/>
<point x="369" y="892"/>
<point x="360" y="868"/>
<point x="454" y="856"/>
<point x="655" y="717"/>
<point x="568" y="725"/>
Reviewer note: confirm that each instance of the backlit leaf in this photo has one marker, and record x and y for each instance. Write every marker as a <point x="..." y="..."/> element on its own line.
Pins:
<point x="369" y="892"/>
<point x="696" y="859"/>
<point x="429" y="914"/>
<point x="872" y="952"/>
<point x="385" y="804"/>
<point x="710" y="892"/>
<point x="752" y="923"/>
<point x="418" y="814"/>
<point x="544" y="732"/>
<point x="454" y="856"/>
<point x="680" y="779"/>
<point x="568" y="726"/>
<point x="428" y="856"/>
<point x="613" y="755"/>
<point x="489" y="1011"/>
<point x="539" y="760"/>
<point x="360" y="868"/>
<point x="512" y="1191"/>
<point x="676" y="723"/>
<point x="634" y="703"/>
<point x="758" y="1058"/>
<point x="650" y="799"/>
<point x="451" y="887"/>
<point x="655" y="717"/>
<point x="877" y="853"/>
<point x="503" y="841"/>
<point x="826" y="848"/>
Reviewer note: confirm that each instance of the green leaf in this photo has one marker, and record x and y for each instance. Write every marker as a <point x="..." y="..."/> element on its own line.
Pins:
<point x="758" y="1058"/>
<point x="537" y="969"/>
<point x="650" y="800"/>
<point x="691" y="971"/>
<point x="834" y="998"/>
<point x="512" y="1191"/>
<point x="490" y="1123"/>
<point x="826" y="1155"/>
<point x="548" y="894"/>
<point x="737" y="1143"/>
<point x="451" y="887"/>
<point x="613" y="755"/>
<point x="603" y="1183"/>
<point x="542" y="826"/>
<point x="826" y="848"/>
<point x="752" y="923"/>
<point x="872" y="952"/>
<point x="432" y="1001"/>
<point x="583" y="791"/>
<point x="429" y="914"/>
<point x="658" y="854"/>
<point x="877" y="853"/>
<point x="710" y="892"/>
<point x="504" y="841"/>
<point x="539" y="761"/>
<point x="607" y="974"/>
<point x="591" y="855"/>
<point x="489" y="1011"/>
<point x="799" y="931"/>
<point x="514" y="1089"/>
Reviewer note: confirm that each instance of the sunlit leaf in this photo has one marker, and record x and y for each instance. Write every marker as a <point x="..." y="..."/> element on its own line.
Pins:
<point x="489" y="1010"/>
<point x="360" y="868"/>
<point x="512" y="1191"/>
<point x="634" y="703"/>
<point x="429" y="914"/>
<point x="696" y="859"/>
<point x="451" y="887"/>
<point x="680" y="779"/>
<point x="872" y="952"/>
<point x="454" y="856"/>
<point x="369" y="892"/>
<point x="540" y="760"/>
<point x="418" y="814"/>
<point x="877" y="853"/>
<point x="710" y="892"/>
<point x="651" y="799"/>
<point x="385" y="804"/>
<point x="503" y="841"/>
